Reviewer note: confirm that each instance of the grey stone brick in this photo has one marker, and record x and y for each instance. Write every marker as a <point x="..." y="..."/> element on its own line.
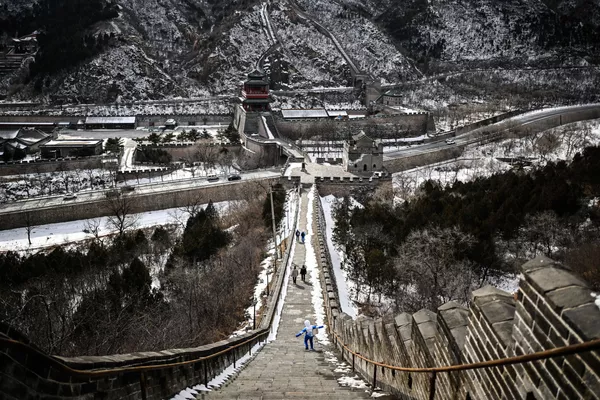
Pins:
<point x="569" y="297"/>
<point x="498" y="311"/>
<point x="491" y="292"/>
<point x="547" y="279"/>
<point x="537" y="263"/>
<point x="585" y="320"/>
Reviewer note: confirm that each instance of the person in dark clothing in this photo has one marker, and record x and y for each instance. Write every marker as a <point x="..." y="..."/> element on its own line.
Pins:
<point x="297" y="234"/>
<point x="294" y="274"/>
<point x="302" y="235"/>
<point x="303" y="273"/>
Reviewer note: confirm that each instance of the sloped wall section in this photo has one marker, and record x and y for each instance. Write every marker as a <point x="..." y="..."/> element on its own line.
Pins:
<point x="552" y="308"/>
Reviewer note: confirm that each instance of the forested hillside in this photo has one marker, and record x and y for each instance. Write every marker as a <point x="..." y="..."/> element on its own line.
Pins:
<point x="133" y="49"/>
<point x="450" y="240"/>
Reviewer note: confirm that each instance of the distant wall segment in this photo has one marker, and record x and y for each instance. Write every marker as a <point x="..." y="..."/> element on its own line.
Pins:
<point x="72" y="211"/>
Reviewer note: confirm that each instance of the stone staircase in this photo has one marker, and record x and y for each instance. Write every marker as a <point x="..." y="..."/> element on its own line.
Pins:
<point x="283" y="369"/>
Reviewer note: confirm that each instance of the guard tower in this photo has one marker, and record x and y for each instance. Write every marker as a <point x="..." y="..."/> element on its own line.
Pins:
<point x="255" y="94"/>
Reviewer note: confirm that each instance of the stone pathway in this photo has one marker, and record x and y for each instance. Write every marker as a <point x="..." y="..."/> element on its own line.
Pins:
<point x="283" y="369"/>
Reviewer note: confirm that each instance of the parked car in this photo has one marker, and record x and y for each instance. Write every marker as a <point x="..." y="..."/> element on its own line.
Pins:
<point x="450" y="141"/>
<point x="113" y="193"/>
<point x="234" y="177"/>
<point x="70" y="196"/>
<point x="128" y="188"/>
<point x="212" y="178"/>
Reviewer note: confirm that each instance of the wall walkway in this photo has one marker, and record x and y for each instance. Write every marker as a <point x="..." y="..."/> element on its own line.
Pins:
<point x="284" y="369"/>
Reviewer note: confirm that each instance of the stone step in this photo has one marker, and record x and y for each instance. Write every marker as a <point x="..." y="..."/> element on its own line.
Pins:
<point x="283" y="369"/>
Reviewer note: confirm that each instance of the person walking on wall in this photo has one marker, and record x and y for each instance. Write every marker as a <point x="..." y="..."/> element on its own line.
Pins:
<point x="303" y="273"/>
<point x="302" y="235"/>
<point x="294" y="274"/>
<point x="310" y="331"/>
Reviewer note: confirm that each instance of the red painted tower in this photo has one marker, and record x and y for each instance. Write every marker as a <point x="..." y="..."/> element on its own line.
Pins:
<point x="255" y="94"/>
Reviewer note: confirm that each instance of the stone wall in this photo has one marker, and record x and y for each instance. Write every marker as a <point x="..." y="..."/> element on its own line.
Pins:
<point x="28" y="373"/>
<point x="139" y="203"/>
<point x="45" y="166"/>
<point x="182" y="150"/>
<point x="384" y="126"/>
<point x="553" y="308"/>
<point x="184" y="120"/>
<point x="393" y="165"/>
<point x="341" y="186"/>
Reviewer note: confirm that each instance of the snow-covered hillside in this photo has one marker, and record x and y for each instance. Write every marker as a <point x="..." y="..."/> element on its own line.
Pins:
<point x="195" y="48"/>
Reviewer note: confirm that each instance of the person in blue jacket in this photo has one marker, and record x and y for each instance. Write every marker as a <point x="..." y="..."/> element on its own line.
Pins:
<point x="308" y="333"/>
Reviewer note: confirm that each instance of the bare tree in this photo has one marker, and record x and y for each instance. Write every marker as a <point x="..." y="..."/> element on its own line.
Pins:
<point x="120" y="213"/>
<point x="433" y="270"/>
<point x="92" y="226"/>
<point x="29" y="224"/>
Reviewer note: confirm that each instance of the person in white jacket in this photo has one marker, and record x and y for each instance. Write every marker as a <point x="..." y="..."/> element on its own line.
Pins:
<point x="309" y="332"/>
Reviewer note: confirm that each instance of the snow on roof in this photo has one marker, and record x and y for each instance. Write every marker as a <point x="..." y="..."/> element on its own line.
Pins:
<point x="31" y="134"/>
<point x="361" y="136"/>
<point x="72" y="143"/>
<point x="8" y="134"/>
<point x="310" y="113"/>
<point x="16" y="145"/>
<point x="26" y="123"/>
<point x="110" y="120"/>
<point x="337" y="113"/>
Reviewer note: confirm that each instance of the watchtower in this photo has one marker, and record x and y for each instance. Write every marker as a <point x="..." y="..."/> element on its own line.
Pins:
<point x="255" y="94"/>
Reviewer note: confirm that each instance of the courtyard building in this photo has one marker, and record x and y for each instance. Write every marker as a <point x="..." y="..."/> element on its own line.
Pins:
<point x="71" y="148"/>
<point x="362" y="155"/>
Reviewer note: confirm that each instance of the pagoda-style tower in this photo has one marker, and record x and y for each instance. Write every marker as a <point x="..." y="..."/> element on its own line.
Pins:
<point x="255" y="94"/>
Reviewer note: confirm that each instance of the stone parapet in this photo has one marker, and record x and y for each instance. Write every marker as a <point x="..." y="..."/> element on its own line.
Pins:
<point x="552" y="308"/>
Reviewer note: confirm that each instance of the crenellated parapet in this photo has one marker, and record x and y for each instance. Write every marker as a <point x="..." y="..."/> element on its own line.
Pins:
<point x="552" y="308"/>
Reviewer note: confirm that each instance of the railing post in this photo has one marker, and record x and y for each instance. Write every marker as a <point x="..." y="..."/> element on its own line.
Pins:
<point x="432" y="385"/>
<point x="374" y="376"/>
<point x="206" y="373"/>
<point x="143" y="385"/>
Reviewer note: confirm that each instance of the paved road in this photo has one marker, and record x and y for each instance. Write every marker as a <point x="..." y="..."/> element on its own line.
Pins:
<point x="472" y="136"/>
<point x="158" y="187"/>
<point x="283" y="369"/>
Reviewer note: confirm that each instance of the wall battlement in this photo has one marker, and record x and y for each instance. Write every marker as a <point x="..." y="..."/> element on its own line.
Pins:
<point x="553" y="308"/>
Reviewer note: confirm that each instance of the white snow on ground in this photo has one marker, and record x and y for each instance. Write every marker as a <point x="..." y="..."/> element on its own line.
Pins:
<point x="68" y="232"/>
<point x="597" y="301"/>
<point x="216" y="382"/>
<point x="480" y="160"/>
<point x="269" y="134"/>
<point x="291" y="167"/>
<point x="286" y="279"/>
<point x="313" y="270"/>
<point x="509" y="283"/>
<point x="341" y="278"/>
<point x="349" y="378"/>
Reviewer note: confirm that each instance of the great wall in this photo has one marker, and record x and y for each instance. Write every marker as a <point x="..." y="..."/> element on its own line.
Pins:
<point x="406" y="355"/>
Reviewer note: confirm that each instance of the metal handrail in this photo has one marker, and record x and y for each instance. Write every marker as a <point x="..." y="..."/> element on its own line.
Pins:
<point x="260" y="334"/>
<point x="541" y="355"/>
<point x="537" y="356"/>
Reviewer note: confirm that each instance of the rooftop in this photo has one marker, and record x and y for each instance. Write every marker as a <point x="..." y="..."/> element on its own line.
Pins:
<point x="110" y="120"/>
<point x="72" y="143"/>
<point x="310" y="113"/>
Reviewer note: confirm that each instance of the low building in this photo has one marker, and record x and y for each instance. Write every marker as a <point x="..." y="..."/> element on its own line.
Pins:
<point x="392" y="98"/>
<point x="71" y="148"/>
<point x="362" y="155"/>
<point x="47" y="127"/>
<point x="110" y="123"/>
<point x="28" y="140"/>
